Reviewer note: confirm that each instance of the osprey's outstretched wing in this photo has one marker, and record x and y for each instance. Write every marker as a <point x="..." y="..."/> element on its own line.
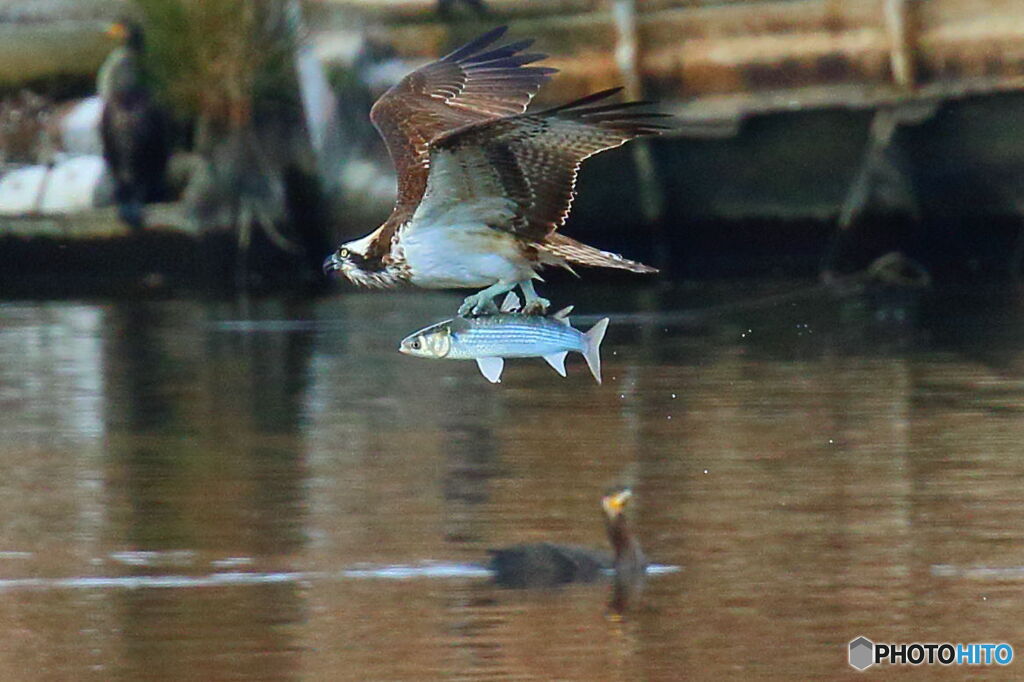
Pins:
<point x="533" y="160"/>
<point x="470" y="85"/>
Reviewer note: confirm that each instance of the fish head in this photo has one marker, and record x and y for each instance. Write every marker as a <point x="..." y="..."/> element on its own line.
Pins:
<point x="432" y="342"/>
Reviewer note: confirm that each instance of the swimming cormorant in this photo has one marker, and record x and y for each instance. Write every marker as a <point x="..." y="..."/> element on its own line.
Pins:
<point x="545" y="564"/>
<point x="133" y="128"/>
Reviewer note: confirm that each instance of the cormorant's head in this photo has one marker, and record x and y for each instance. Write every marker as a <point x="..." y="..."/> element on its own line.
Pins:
<point x="354" y="261"/>
<point x="129" y="32"/>
<point x="614" y="502"/>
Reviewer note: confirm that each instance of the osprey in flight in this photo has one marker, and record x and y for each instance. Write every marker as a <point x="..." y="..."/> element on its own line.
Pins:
<point x="482" y="186"/>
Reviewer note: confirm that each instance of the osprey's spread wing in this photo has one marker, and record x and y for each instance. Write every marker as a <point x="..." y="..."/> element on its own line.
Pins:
<point x="533" y="159"/>
<point x="470" y="85"/>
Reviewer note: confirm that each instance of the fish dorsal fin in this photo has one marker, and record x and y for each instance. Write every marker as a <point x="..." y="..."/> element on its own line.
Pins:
<point x="563" y="315"/>
<point x="456" y="324"/>
<point x="511" y="303"/>
<point x="491" y="368"/>
<point x="557" y="360"/>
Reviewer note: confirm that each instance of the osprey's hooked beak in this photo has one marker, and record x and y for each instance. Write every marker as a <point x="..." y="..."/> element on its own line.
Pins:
<point x="332" y="263"/>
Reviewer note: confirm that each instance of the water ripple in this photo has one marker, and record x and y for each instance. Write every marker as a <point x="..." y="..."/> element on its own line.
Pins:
<point x="429" y="569"/>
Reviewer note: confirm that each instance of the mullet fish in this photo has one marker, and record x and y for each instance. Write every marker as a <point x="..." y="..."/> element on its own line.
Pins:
<point x="492" y="338"/>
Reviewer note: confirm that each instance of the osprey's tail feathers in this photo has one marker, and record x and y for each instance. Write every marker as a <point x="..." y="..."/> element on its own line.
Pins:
<point x="572" y="251"/>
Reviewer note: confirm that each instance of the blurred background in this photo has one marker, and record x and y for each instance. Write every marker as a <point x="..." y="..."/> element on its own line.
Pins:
<point x="216" y="466"/>
<point x="812" y="135"/>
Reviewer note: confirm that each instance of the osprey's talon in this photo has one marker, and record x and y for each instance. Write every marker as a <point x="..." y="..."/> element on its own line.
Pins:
<point x="486" y="309"/>
<point x="533" y="304"/>
<point x="538" y="306"/>
<point x="477" y="306"/>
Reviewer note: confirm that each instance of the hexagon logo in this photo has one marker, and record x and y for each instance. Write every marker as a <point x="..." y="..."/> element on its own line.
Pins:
<point x="862" y="653"/>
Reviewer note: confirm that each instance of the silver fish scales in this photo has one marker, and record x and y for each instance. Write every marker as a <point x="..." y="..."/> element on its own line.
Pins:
<point x="491" y="339"/>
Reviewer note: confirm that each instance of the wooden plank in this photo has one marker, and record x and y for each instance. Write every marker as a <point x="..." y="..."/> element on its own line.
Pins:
<point x="393" y="11"/>
<point x="711" y="59"/>
<point x="95" y="223"/>
<point x="45" y="39"/>
<point x="727" y="60"/>
<point x="39" y="51"/>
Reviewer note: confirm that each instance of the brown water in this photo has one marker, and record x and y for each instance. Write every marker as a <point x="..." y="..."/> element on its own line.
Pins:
<point x="268" y="490"/>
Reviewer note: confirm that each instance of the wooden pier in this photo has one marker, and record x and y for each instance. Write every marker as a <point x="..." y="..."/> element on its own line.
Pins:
<point x="726" y="59"/>
<point x="788" y="110"/>
<point x="713" y="59"/>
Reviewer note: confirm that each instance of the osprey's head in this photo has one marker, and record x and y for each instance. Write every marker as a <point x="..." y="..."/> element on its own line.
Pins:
<point x="354" y="260"/>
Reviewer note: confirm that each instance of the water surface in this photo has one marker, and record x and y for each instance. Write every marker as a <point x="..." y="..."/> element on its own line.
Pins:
<point x="267" y="490"/>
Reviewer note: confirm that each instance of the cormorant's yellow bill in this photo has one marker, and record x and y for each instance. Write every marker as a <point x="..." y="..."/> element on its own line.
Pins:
<point x="118" y="31"/>
<point x="615" y="502"/>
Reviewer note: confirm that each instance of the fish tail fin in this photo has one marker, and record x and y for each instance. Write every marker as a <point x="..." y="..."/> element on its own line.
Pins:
<point x="592" y="353"/>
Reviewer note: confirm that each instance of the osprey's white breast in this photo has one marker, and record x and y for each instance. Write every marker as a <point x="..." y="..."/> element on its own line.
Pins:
<point x="455" y="238"/>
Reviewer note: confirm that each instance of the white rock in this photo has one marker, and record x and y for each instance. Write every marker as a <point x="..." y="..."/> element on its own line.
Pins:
<point x="80" y="127"/>
<point x="21" y="190"/>
<point x="76" y="184"/>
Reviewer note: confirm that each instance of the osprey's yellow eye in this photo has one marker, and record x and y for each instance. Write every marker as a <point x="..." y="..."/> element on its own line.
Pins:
<point x="344" y="253"/>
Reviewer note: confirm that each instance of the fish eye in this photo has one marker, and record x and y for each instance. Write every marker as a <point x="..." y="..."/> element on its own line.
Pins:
<point x="415" y="345"/>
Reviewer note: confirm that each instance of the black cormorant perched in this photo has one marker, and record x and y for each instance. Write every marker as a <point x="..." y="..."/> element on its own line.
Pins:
<point x="133" y="128"/>
<point x="545" y="564"/>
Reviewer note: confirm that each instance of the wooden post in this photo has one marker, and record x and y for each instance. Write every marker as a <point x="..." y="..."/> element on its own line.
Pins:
<point x="627" y="58"/>
<point x="901" y="57"/>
